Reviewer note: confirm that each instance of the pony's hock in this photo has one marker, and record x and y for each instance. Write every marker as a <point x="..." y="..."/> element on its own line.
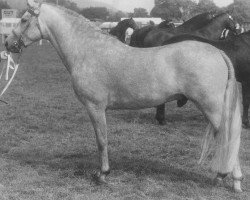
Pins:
<point x="106" y="74"/>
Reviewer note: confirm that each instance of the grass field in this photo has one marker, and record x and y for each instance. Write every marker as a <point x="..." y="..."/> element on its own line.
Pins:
<point x="48" y="149"/>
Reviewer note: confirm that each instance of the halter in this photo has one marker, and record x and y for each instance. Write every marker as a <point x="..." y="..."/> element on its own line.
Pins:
<point x="33" y="12"/>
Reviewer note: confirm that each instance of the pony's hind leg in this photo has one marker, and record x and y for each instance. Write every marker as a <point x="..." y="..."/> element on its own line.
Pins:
<point x="236" y="128"/>
<point x="245" y="102"/>
<point x="98" y="118"/>
<point x="160" y="114"/>
<point x="225" y="117"/>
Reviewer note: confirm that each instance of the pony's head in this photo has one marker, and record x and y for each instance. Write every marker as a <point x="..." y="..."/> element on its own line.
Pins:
<point x="28" y="29"/>
<point x="132" y="24"/>
<point x="229" y="23"/>
<point x="166" y="24"/>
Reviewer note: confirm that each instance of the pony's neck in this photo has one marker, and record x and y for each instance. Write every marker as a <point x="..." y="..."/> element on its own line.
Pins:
<point x="67" y="32"/>
<point x="195" y="23"/>
<point x="217" y="23"/>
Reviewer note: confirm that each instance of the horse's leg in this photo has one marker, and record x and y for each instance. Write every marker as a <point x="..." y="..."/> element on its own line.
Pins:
<point x="98" y="118"/>
<point x="225" y="118"/>
<point x="246" y="102"/>
<point x="237" y="177"/>
<point x="160" y="114"/>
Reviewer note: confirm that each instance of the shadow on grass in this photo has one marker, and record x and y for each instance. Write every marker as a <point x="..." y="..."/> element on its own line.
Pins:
<point x="145" y="167"/>
<point x="83" y="165"/>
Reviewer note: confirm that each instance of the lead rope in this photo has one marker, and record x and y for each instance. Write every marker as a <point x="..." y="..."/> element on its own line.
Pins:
<point x="10" y="65"/>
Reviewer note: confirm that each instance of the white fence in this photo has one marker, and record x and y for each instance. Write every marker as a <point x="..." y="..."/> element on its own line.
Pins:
<point x="7" y="25"/>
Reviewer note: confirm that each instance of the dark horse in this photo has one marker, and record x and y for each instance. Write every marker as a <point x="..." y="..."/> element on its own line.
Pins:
<point x="137" y="38"/>
<point x="119" y="30"/>
<point x="237" y="48"/>
<point x="211" y="30"/>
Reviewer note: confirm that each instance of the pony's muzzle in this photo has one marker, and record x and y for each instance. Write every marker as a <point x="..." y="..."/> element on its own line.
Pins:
<point x="15" y="47"/>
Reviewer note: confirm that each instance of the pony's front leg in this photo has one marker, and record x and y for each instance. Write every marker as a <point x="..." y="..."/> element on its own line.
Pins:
<point x="98" y="118"/>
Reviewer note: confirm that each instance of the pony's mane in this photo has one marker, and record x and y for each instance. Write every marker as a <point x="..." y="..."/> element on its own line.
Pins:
<point x="211" y="22"/>
<point x="124" y="21"/>
<point x="217" y="16"/>
<point x="197" y="17"/>
<point x="75" y="14"/>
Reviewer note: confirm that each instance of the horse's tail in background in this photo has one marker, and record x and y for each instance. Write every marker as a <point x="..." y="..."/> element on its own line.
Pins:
<point x="227" y="137"/>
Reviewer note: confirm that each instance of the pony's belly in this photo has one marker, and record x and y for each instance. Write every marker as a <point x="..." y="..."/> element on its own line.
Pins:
<point x="140" y="103"/>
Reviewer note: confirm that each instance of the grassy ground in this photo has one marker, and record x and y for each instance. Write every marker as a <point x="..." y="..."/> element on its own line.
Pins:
<point x="48" y="149"/>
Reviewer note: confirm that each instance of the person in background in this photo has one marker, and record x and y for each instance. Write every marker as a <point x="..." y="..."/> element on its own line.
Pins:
<point x="3" y="55"/>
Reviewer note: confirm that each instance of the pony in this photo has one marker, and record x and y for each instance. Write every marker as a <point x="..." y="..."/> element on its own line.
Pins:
<point x="237" y="47"/>
<point x="119" y="30"/>
<point x="107" y="74"/>
<point x="137" y="38"/>
<point x="211" y="30"/>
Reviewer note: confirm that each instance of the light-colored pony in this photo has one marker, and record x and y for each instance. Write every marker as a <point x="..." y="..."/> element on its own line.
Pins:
<point x="107" y="74"/>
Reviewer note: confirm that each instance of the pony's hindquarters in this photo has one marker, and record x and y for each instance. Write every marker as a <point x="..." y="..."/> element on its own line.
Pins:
<point x="227" y="135"/>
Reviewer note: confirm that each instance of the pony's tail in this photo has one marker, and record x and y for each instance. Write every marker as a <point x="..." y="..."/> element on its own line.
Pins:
<point x="227" y="138"/>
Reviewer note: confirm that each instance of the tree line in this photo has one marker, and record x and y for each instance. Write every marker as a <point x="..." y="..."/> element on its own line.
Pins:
<point x="176" y="10"/>
<point x="185" y="9"/>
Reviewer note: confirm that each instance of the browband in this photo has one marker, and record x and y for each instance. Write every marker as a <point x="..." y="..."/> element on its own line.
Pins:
<point x="34" y="12"/>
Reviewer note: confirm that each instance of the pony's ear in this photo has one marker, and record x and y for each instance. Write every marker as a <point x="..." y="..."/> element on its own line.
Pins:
<point x="35" y="4"/>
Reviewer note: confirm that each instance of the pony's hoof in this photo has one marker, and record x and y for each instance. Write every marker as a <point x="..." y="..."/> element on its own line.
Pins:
<point x="237" y="185"/>
<point x="218" y="182"/>
<point x="99" y="178"/>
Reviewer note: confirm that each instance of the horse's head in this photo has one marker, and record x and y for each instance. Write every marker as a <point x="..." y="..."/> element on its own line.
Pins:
<point x="230" y="24"/>
<point x="27" y="31"/>
<point x="166" y="24"/>
<point x="132" y="24"/>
